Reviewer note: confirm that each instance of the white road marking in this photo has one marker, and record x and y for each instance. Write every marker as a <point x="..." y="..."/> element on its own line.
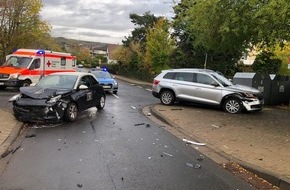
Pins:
<point x="133" y="107"/>
<point x="150" y="90"/>
<point x="139" y="86"/>
<point x="132" y="84"/>
<point x="116" y="96"/>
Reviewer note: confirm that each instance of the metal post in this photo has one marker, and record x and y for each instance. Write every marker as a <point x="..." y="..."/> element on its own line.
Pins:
<point x="204" y="66"/>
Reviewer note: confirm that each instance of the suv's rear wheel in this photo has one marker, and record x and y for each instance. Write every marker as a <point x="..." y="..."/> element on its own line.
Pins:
<point x="167" y="97"/>
<point x="232" y="105"/>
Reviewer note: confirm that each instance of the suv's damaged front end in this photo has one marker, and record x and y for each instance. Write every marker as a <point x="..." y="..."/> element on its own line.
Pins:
<point x="252" y="102"/>
<point x="251" y="98"/>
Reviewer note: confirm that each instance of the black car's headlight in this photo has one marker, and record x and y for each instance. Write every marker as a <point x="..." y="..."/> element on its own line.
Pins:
<point x="15" y="98"/>
<point x="53" y="99"/>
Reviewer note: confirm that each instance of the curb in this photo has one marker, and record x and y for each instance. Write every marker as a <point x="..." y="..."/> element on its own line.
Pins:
<point x="271" y="177"/>
<point x="133" y="81"/>
<point x="5" y="147"/>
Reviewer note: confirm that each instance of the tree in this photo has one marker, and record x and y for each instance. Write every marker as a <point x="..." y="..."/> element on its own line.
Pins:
<point x="83" y="54"/>
<point x="284" y="55"/>
<point x="223" y="29"/>
<point x="123" y="55"/>
<point x="266" y="62"/>
<point x="21" y="26"/>
<point x="159" y="47"/>
<point x="142" y="23"/>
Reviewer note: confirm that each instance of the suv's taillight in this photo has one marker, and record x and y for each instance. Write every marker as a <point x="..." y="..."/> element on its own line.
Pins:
<point x="155" y="82"/>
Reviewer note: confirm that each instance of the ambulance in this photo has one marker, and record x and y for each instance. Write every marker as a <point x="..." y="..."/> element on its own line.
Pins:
<point x="26" y="66"/>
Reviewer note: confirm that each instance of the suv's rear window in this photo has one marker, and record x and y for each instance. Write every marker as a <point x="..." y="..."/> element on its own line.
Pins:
<point x="170" y="75"/>
<point x="185" y="76"/>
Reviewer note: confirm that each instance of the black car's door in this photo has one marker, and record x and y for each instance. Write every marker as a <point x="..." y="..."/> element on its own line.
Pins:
<point x="85" y="97"/>
<point x="97" y="90"/>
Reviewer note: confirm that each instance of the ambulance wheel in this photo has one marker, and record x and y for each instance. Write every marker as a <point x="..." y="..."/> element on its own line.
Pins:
<point x="26" y="83"/>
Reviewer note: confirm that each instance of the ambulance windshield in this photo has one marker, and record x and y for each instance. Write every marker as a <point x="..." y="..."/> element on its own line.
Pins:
<point x="15" y="61"/>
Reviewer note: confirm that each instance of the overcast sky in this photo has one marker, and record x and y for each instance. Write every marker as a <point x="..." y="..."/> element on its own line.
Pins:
<point x="104" y="21"/>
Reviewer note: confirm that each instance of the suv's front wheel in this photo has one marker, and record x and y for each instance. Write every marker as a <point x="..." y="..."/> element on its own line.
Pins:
<point x="167" y="97"/>
<point x="232" y="105"/>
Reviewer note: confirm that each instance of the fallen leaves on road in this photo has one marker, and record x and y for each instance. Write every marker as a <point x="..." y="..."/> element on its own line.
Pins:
<point x="251" y="178"/>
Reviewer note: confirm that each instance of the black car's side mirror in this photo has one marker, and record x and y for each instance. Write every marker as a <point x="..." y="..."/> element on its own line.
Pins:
<point x="83" y="87"/>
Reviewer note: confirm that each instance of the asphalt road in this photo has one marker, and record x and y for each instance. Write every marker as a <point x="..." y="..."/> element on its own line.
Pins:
<point x="116" y="148"/>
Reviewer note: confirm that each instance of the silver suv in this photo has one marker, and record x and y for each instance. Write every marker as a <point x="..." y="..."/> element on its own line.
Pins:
<point x="206" y="87"/>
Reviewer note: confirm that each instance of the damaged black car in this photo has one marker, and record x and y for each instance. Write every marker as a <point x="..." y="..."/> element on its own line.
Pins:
<point x="58" y="97"/>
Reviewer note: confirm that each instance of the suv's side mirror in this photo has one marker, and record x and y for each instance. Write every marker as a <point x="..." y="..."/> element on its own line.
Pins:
<point x="215" y="84"/>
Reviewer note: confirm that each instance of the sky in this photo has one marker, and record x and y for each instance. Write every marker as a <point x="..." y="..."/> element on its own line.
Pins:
<point x="105" y="21"/>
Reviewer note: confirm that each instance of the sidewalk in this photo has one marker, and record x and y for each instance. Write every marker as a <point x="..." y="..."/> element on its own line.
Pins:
<point x="9" y="130"/>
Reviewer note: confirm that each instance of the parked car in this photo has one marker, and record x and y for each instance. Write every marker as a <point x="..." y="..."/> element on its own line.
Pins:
<point x="106" y="80"/>
<point x="58" y="96"/>
<point x="206" y="87"/>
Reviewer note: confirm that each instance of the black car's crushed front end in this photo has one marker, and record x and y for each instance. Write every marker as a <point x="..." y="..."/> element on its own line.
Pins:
<point x="37" y="110"/>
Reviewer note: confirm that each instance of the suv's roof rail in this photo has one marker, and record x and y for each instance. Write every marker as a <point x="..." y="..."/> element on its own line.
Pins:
<point x="190" y="69"/>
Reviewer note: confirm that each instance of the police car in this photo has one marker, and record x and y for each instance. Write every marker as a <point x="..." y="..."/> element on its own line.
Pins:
<point x="106" y="80"/>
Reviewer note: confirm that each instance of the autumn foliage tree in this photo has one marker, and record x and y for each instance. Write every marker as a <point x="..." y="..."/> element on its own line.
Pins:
<point x="159" y="47"/>
<point x="22" y="27"/>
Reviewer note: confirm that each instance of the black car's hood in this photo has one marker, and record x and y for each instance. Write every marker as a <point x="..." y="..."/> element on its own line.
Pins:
<point x="36" y="92"/>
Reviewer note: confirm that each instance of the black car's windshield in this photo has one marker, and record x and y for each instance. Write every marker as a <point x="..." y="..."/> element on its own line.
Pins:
<point x="16" y="61"/>
<point x="101" y="74"/>
<point x="223" y="80"/>
<point x="58" y="81"/>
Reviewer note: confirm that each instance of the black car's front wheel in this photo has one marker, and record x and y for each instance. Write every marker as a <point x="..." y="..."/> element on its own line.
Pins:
<point x="102" y="102"/>
<point x="71" y="112"/>
<point x="232" y="105"/>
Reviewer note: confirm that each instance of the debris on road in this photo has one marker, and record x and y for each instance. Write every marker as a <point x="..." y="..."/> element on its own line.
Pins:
<point x="194" y="143"/>
<point x="167" y="154"/>
<point x="189" y="165"/>
<point x="149" y="114"/>
<point x="148" y="125"/>
<point x="80" y="185"/>
<point x="216" y="126"/>
<point x="30" y="136"/>
<point x="196" y="166"/>
<point x="138" y="124"/>
<point x="15" y="149"/>
<point x="200" y="158"/>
